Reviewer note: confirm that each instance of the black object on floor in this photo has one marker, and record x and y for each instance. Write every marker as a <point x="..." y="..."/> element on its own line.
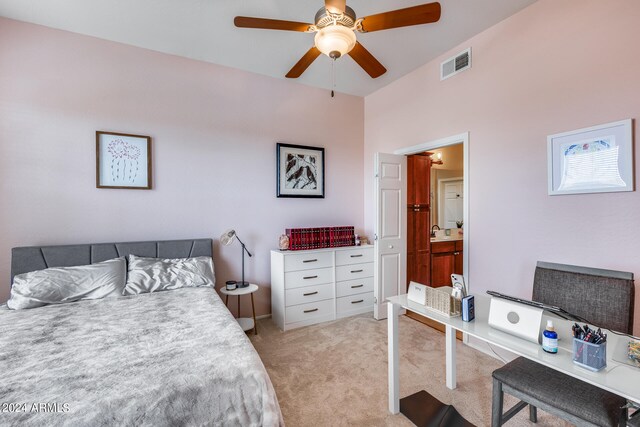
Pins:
<point x="424" y="410"/>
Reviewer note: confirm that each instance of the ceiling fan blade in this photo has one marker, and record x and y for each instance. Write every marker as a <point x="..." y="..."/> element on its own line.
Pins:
<point x="270" y="24"/>
<point x="416" y="15"/>
<point x="304" y="63"/>
<point x="335" y="6"/>
<point x="367" y="61"/>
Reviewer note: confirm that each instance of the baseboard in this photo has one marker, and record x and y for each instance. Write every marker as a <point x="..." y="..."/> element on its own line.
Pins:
<point x="264" y="316"/>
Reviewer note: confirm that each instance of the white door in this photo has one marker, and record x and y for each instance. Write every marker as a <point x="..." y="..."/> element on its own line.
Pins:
<point x="452" y="203"/>
<point x="391" y="229"/>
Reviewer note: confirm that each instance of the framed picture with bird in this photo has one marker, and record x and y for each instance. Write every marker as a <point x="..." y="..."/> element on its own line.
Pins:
<point x="300" y="171"/>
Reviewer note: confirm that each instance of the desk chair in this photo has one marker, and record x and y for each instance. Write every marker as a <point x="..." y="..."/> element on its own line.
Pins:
<point x="603" y="297"/>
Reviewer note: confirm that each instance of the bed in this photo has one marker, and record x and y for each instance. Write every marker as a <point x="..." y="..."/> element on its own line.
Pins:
<point x="175" y="357"/>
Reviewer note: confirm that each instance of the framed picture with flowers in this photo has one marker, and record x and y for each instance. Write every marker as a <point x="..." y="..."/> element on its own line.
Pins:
<point x="123" y="161"/>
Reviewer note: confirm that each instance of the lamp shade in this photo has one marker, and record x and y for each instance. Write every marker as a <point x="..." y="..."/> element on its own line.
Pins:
<point x="335" y="40"/>
<point x="227" y="237"/>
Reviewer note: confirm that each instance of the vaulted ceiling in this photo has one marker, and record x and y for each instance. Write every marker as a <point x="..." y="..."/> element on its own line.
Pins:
<point x="204" y="30"/>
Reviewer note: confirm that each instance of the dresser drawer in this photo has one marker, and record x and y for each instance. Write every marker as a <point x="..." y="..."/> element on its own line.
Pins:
<point x="307" y="261"/>
<point x="302" y="312"/>
<point x="309" y="294"/>
<point x="298" y="279"/>
<point x="360" y="303"/>
<point x="356" y="286"/>
<point x="354" y="271"/>
<point x="354" y="256"/>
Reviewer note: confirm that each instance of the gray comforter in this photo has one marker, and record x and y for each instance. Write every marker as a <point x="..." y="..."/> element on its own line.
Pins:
<point x="168" y="358"/>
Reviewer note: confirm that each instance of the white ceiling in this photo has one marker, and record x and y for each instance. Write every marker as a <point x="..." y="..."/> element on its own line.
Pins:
<point x="204" y="30"/>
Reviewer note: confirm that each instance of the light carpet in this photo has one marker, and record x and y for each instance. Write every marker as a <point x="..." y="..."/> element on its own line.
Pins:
<point x="335" y="373"/>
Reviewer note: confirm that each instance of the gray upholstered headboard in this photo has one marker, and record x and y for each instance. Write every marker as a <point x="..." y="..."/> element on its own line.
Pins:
<point x="31" y="258"/>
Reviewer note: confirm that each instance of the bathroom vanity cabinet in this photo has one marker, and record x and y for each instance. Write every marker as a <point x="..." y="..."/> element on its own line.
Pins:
<point x="446" y="259"/>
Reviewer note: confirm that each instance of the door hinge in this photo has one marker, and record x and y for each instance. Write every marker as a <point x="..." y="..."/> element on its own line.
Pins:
<point x="375" y="237"/>
<point x="375" y="300"/>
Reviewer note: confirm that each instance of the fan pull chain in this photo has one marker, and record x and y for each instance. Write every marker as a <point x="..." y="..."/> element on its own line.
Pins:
<point x="333" y="77"/>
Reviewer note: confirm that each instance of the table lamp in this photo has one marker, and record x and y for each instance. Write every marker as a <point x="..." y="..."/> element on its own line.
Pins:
<point x="226" y="239"/>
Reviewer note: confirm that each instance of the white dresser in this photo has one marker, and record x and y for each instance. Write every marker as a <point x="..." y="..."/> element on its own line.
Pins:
<point x="318" y="285"/>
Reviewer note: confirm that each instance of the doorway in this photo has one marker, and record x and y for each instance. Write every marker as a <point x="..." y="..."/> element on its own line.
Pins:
<point x="450" y="201"/>
<point x="391" y="217"/>
<point x="435" y="146"/>
<point x="435" y="183"/>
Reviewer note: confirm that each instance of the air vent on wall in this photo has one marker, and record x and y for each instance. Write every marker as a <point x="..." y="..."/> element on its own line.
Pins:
<point x="458" y="63"/>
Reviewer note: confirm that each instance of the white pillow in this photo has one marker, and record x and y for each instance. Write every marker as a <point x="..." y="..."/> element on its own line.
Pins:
<point x="60" y="285"/>
<point x="157" y="274"/>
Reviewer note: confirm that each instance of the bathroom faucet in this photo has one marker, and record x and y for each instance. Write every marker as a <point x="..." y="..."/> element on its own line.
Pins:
<point x="433" y="231"/>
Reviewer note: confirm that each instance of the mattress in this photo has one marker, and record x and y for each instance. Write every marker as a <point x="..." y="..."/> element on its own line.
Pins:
<point x="168" y="358"/>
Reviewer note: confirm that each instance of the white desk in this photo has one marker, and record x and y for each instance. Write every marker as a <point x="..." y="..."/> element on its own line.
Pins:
<point x="617" y="377"/>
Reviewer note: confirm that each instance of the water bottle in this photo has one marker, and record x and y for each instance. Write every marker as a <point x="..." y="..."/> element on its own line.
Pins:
<point x="550" y="339"/>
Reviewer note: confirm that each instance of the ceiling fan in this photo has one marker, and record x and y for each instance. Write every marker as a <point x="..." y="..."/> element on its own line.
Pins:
<point x="335" y="27"/>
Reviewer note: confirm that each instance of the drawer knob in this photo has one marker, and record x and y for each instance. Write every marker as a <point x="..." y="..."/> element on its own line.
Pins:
<point x="310" y="293"/>
<point x="357" y="271"/>
<point x="310" y="277"/>
<point x="390" y="246"/>
<point x="309" y="260"/>
<point x="311" y="311"/>
<point x="357" y="302"/>
<point x="356" y="286"/>
<point x="356" y="256"/>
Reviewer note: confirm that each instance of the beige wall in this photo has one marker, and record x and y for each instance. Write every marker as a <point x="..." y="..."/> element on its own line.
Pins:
<point x="452" y="157"/>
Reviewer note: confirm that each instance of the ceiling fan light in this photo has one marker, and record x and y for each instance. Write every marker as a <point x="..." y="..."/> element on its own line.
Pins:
<point x="335" y="39"/>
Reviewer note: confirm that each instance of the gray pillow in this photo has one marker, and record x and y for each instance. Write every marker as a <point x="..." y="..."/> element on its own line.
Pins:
<point x="157" y="274"/>
<point x="60" y="285"/>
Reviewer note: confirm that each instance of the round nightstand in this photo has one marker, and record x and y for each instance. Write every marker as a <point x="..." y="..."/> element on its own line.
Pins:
<point x="246" y="323"/>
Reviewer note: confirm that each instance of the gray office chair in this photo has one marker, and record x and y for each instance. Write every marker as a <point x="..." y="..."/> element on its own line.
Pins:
<point x="603" y="297"/>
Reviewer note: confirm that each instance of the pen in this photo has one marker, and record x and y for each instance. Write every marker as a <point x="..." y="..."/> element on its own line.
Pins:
<point x="586" y="334"/>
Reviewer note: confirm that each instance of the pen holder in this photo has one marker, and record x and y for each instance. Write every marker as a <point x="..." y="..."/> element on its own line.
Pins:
<point x="588" y="355"/>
